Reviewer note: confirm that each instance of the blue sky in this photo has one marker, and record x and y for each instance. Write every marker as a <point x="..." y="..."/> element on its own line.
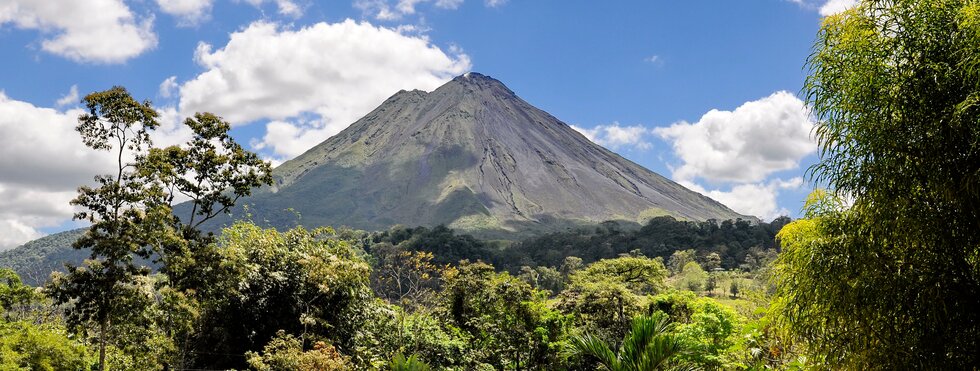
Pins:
<point x="703" y="92"/>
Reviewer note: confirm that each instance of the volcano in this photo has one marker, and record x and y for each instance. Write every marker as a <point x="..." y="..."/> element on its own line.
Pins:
<point x="474" y="156"/>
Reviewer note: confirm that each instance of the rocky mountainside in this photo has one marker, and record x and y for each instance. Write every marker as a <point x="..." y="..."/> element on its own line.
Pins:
<point x="476" y="157"/>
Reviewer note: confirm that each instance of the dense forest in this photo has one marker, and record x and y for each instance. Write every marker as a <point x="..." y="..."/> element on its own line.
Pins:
<point x="317" y="299"/>
<point x="882" y="271"/>
<point x="736" y="245"/>
<point x="740" y="245"/>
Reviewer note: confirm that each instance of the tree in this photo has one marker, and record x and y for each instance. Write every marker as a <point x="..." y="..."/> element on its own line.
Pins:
<point x="608" y="293"/>
<point x="692" y="277"/>
<point x="707" y="329"/>
<point x="13" y="293"/>
<point x="307" y="283"/>
<point x="285" y="353"/>
<point x="507" y="320"/>
<point x="892" y="279"/>
<point x="404" y="277"/>
<point x="712" y="261"/>
<point x="648" y="346"/>
<point x="212" y="171"/>
<point x="131" y="212"/>
<point x="126" y="216"/>
<point x="679" y="259"/>
<point x="711" y="283"/>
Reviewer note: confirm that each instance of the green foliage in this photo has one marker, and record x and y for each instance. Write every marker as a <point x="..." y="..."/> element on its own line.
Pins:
<point x="543" y="278"/>
<point x="639" y="274"/>
<point x="709" y="330"/>
<point x="736" y="242"/>
<point x="431" y="339"/>
<point x="507" y="320"/>
<point x="892" y="281"/>
<point x="13" y="292"/>
<point x="127" y="219"/>
<point x="692" y="277"/>
<point x="131" y="217"/>
<point x="604" y="296"/>
<point x="446" y="246"/>
<point x="412" y="363"/>
<point x="408" y="278"/>
<point x="300" y="281"/>
<point x="25" y="346"/>
<point x="213" y="172"/>
<point x="285" y="353"/>
<point x="649" y="345"/>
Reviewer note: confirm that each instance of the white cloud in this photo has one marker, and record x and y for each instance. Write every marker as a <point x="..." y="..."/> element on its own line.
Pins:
<point x="756" y="199"/>
<point x="14" y="233"/>
<point x="172" y="130"/>
<point x="286" y="7"/>
<point x="42" y="162"/>
<point x="745" y="145"/>
<point x="655" y="59"/>
<point x="70" y="98"/>
<point x="190" y="12"/>
<point x="317" y="79"/>
<point x="614" y="136"/>
<point x="826" y="7"/>
<point x="99" y="31"/>
<point x="168" y="87"/>
<point x="832" y="7"/>
<point x="390" y="10"/>
<point x="449" y="4"/>
<point x="289" y="140"/>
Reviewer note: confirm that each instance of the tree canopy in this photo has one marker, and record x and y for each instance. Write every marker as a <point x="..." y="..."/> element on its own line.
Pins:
<point x="885" y="273"/>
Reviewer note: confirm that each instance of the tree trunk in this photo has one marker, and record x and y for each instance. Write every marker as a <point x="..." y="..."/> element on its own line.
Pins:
<point x="102" y="347"/>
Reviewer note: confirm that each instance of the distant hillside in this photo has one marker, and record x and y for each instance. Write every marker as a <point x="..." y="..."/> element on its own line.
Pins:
<point x="34" y="261"/>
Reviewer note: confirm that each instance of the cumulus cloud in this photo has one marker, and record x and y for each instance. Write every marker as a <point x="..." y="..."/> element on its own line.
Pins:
<point x="832" y="7"/>
<point x="314" y="81"/>
<point x="614" y="136"/>
<point x="97" y="31"/>
<point x="14" y="233"/>
<point x="826" y="7"/>
<point x="756" y="199"/>
<point x="190" y="12"/>
<point x="70" y="98"/>
<point x="448" y="4"/>
<point x="286" y="7"/>
<point x="42" y="161"/>
<point x="290" y="139"/>
<point x="168" y="87"/>
<point x="745" y="145"/>
<point x="390" y="10"/>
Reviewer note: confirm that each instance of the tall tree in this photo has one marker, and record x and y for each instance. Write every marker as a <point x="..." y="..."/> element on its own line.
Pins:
<point x="126" y="215"/>
<point x="211" y="172"/>
<point x="891" y="281"/>
<point x="131" y="212"/>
